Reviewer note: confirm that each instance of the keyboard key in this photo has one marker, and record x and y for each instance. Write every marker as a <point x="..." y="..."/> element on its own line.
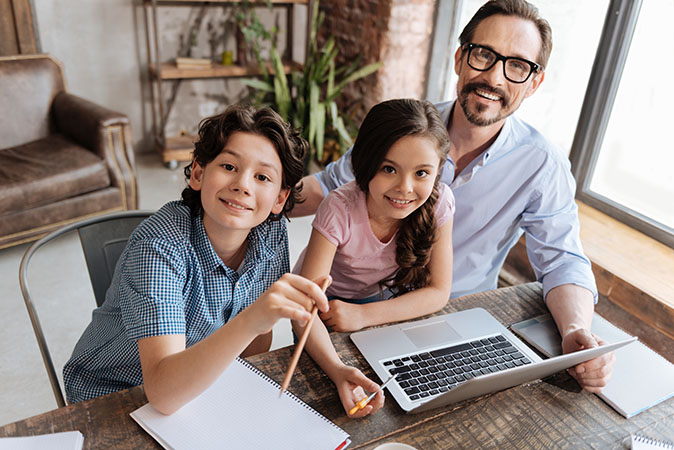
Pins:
<point x="425" y="356"/>
<point x="414" y="397"/>
<point x="415" y="358"/>
<point x="450" y="350"/>
<point x="406" y="358"/>
<point x="502" y="345"/>
<point x="424" y="394"/>
<point x="424" y="371"/>
<point x="443" y="389"/>
<point x="493" y="340"/>
<point x="517" y="355"/>
<point x="500" y="338"/>
<point x="424" y="387"/>
<point x="404" y="384"/>
<point x="434" y="391"/>
<point x="510" y="350"/>
<point x="412" y="390"/>
<point x="404" y="376"/>
<point x="413" y="382"/>
<point x="388" y="363"/>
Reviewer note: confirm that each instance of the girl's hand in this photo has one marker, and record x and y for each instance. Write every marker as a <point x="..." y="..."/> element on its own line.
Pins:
<point x="292" y="297"/>
<point x="351" y="385"/>
<point x="344" y="316"/>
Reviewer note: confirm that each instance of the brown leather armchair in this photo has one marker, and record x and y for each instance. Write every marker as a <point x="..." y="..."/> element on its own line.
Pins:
<point x="62" y="158"/>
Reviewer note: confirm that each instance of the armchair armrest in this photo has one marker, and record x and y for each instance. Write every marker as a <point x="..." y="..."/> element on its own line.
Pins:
<point x="103" y="131"/>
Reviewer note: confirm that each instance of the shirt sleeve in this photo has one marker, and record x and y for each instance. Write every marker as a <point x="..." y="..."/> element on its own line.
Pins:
<point x="332" y="219"/>
<point x="336" y="173"/>
<point x="552" y="234"/>
<point x="151" y="289"/>
<point x="444" y="207"/>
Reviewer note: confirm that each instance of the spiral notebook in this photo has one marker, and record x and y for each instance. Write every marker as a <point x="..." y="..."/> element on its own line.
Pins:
<point x="640" y="442"/>
<point x="641" y="378"/>
<point x="242" y="410"/>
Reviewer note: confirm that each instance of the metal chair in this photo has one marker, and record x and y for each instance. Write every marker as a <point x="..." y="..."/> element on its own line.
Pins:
<point x="103" y="239"/>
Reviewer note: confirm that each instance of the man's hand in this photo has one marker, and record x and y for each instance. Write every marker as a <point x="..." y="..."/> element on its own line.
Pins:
<point x="592" y="375"/>
<point x="344" y="316"/>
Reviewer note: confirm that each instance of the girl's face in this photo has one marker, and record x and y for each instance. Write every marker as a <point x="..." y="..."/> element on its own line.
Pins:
<point x="241" y="186"/>
<point x="405" y="178"/>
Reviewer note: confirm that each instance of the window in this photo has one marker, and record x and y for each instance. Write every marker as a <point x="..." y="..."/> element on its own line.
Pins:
<point x="622" y="158"/>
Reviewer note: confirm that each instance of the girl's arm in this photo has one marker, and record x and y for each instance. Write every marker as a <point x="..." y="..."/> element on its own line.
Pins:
<point x="350" y="381"/>
<point x="350" y="317"/>
<point x="174" y="375"/>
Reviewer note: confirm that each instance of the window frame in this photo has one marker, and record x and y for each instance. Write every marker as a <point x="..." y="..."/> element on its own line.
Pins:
<point x="614" y="44"/>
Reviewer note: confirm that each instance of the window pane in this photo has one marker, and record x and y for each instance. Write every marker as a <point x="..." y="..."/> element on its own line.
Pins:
<point x="555" y="107"/>
<point x="635" y="166"/>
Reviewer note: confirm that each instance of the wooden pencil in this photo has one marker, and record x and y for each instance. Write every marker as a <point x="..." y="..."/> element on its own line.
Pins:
<point x="302" y="341"/>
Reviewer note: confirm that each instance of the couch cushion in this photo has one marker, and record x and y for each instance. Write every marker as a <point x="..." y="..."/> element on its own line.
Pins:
<point x="48" y="170"/>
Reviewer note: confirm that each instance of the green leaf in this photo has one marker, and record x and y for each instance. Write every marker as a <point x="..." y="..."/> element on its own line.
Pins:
<point x="258" y="84"/>
<point x="360" y="73"/>
<point x="313" y="112"/>
<point x="320" y="130"/>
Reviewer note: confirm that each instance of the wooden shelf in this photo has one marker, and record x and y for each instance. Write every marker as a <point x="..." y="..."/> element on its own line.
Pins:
<point x="169" y="71"/>
<point x="178" y="148"/>
<point x="256" y="2"/>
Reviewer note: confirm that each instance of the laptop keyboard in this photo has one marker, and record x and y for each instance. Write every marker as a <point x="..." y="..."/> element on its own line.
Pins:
<point x="426" y="374"/>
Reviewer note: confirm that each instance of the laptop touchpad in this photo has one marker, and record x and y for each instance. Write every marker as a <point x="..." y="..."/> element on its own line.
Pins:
<point x="431" y="334"/>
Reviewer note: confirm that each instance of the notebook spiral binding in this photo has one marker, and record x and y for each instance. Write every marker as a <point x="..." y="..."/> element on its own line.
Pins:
<point x="271" y="381"/>
<point x="653" y="442"/>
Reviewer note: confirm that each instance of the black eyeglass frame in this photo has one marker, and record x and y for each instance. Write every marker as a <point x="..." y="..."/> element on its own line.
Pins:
<point x="534" y="67"/>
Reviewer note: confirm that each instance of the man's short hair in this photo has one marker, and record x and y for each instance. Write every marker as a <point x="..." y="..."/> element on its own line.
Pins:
<point x="517" y="8"/>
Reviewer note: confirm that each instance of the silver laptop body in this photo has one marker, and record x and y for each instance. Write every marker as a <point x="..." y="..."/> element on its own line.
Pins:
<point x="403" y="341"/>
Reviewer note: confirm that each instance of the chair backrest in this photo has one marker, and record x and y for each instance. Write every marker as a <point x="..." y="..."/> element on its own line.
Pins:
<point x="103" y="239"/>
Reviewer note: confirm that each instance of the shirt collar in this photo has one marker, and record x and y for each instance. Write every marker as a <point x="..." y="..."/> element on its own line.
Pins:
<point x="259" y="246"/>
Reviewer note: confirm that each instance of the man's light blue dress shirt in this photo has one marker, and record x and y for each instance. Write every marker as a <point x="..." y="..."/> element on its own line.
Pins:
<point x="520" y="184"/>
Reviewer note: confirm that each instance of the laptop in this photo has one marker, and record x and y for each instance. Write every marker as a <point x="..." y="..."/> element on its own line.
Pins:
<point x="454" y="357"/>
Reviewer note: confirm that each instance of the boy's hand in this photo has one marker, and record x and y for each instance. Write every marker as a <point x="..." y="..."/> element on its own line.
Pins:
<point x="351" y="385"/>
<point x="291" y="297"/>
<point x="344" y="316"/>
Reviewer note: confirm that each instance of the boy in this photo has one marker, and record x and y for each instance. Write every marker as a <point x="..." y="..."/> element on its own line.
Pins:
<point x="202" y="280"/>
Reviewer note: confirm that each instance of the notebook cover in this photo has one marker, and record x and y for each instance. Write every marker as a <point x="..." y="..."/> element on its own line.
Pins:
<point x="641" y="378"/>
<point x="242" y="409"/>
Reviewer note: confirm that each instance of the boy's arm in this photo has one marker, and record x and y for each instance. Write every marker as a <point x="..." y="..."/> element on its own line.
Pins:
<point x="350" y="317"/>
<point x="174" y="375"/>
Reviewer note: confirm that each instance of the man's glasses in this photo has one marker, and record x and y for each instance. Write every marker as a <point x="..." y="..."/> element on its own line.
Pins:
<point x="516" y="70"/>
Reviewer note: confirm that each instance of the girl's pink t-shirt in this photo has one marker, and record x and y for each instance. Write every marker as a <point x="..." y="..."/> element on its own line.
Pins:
<point x="361" y="260"/>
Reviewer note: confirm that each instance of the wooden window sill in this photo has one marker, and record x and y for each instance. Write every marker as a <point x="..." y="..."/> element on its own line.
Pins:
<point x="632" y="270"/>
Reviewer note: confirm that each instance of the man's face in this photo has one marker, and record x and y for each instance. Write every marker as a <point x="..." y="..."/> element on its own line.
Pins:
<point x="488" y="97"/>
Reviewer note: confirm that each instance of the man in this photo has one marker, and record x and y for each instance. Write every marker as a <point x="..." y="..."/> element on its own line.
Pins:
<point x="506" y="177"/>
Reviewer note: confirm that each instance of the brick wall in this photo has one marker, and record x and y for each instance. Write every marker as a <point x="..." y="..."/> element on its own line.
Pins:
<point x="396" y="32"/>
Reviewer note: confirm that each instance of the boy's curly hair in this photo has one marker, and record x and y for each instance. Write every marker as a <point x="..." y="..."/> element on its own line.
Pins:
<point x="214" y="132"/>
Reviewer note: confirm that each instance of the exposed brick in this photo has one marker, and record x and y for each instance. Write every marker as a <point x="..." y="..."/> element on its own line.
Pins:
<point x="396" y="32"/>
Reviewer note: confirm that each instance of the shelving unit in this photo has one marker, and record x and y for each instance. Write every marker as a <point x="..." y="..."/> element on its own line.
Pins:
<point x="179" y="148"/>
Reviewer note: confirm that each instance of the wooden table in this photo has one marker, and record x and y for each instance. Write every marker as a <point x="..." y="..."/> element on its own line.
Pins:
<point x="542" y="414"/>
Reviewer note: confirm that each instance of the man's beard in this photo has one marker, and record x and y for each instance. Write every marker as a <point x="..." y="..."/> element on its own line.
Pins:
<point x="476" y="117"/>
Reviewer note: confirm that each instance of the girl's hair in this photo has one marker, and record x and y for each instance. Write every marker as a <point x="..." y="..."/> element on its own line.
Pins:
<point x="385" y="124"/>
<point x="214" y="132"/>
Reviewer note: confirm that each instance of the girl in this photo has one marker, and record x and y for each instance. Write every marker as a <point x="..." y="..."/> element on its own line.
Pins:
<point x="201" y="281"/>
<point x="386" y="234"/>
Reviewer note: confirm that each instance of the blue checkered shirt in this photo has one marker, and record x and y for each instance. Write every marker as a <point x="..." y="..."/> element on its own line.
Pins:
<point x="169" y="280"/>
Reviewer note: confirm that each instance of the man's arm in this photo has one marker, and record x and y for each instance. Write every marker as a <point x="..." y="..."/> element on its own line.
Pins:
<point x="572" y="308"/>
<point x="317" y="186"/>
<point x="312" y="196"/>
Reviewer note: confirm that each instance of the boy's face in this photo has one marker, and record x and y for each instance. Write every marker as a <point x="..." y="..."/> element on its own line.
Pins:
<point x="241" y="186"/>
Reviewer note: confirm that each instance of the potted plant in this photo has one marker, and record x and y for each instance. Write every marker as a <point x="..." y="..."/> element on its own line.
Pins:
<point x="307" y="98"/>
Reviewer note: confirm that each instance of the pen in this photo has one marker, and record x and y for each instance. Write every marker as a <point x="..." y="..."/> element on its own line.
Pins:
<point x="363" y="403"/>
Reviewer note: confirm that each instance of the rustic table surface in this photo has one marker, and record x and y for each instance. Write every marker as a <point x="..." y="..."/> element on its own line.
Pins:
<point x="551" y="413"/>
